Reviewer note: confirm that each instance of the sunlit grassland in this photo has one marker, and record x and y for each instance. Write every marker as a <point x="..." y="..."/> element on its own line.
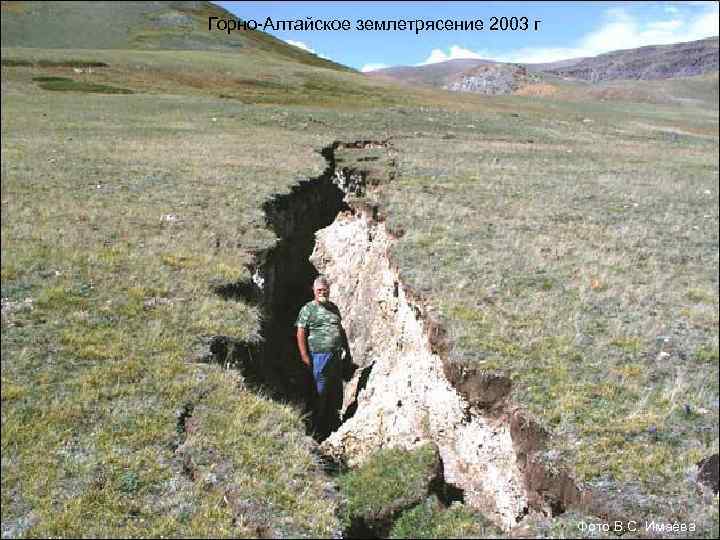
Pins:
<point x="573" y="244"/>
<point x="584" y="262"/>
<point x="252" y="77"/>
<point x="119" y="217"/>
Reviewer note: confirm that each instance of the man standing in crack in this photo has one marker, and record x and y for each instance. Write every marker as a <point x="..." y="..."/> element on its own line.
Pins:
<point x="324" y="349"/>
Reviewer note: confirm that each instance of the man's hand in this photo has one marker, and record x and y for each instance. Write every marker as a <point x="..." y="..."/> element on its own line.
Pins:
<point x="302" y="346"/>
<point x="306" y="360"/>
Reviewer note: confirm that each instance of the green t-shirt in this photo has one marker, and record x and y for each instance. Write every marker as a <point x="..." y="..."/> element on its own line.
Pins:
<point x="322" y="324"/>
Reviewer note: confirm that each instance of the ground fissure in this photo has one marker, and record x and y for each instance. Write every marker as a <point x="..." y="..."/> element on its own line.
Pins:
<point x="405" y="392"/>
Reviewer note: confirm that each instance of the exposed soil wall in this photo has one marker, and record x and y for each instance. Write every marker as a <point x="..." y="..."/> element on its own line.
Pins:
<point x="406" y="392"/>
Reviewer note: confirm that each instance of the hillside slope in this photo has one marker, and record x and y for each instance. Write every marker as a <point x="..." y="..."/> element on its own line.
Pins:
<point x="135" y="25"/>
<point x="648" y="63"/>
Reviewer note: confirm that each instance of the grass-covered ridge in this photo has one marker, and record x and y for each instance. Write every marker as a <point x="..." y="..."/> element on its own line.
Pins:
<point x="165" y="25"/>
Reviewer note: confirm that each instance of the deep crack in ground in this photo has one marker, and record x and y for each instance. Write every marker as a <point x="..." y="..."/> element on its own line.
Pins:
<point x="282" y="283"/>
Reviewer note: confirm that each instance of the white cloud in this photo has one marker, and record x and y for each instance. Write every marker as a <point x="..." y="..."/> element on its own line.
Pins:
<point x="665" y="25"/>
<point x="626" y="32"/>
<point x="304" y="47"/>
<point x="455" y="52"/>
<point x="372" y="67"/>
<point x="621" y="30"/>
<point x="706" y="25"/>
<point x="300" y="45"/>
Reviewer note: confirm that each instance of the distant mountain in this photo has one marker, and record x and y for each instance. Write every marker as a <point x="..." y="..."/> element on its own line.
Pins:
<point x="489" y="77"/>
<point x="646" y="63"/>
<point x="431" y="74"/>
<point x="550" y="66"/>
<point x="135" y="25"/>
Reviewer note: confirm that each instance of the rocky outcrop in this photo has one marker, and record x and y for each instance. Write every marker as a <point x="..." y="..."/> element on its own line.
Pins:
<point x="492" y="79"/>
<point x="405" y="393"/>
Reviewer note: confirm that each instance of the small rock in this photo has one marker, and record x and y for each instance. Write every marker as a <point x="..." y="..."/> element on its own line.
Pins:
<point x="169" y="218"/>
<point x="155" y="301"/>
<point x="210" y="480"/>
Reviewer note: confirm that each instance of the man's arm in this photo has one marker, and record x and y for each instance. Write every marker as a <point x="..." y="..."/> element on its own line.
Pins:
<point x="302" y="345"/>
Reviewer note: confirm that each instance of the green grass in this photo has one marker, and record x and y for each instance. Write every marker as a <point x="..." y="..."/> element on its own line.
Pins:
<point x="389" y="482"/>
<point x="430" y="520"/>
<point x="390" y="494"/>
<point x="566" y="261"/>
<point x="96" y="363"/>
<point x="596" y="315"/>
<point x="75" y="63"/>
<point x="160" y="26"/>
<point x="255" y="77"/>
<point x="63" y="84"/>
<point x="14" y="62"/>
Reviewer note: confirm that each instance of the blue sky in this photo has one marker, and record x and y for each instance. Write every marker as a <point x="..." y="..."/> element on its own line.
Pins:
<point x="568" y="29"/>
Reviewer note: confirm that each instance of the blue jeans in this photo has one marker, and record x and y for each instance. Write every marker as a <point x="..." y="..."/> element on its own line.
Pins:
<point x="327" y="374"/>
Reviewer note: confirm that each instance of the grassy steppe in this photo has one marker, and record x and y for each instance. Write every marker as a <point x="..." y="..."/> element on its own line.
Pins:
<point x="573" y="244"/>
<point x="119" y="216"/>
